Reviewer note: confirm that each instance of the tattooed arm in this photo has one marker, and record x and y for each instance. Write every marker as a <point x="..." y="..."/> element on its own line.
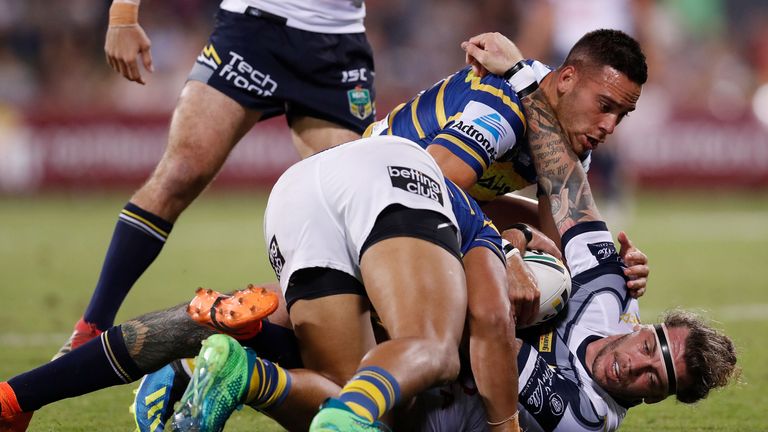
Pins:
<point x="157" y="338"/>
<point x="560" y="173"/>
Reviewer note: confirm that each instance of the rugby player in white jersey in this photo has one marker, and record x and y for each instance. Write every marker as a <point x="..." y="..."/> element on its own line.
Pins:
<point x="245" y="73"/>
<point x="581" y="376"/>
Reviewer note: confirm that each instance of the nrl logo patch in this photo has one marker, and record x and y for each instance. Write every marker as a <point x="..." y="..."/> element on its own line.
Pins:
<point x="275" y="257"/>
<point x="360" y="104"/>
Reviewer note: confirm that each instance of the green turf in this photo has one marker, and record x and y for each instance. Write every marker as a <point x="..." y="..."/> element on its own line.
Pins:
<point x="706" y="252"/>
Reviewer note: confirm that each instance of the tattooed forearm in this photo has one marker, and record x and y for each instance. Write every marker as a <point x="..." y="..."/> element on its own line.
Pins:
<point x="157" y="338"/>
<point x="560" y="173"/>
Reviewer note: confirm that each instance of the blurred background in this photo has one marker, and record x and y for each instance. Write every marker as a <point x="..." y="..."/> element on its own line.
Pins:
<point x="68" y="121"/>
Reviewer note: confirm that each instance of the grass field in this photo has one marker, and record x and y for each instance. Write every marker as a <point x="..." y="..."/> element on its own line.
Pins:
<point x="705" y="251"/>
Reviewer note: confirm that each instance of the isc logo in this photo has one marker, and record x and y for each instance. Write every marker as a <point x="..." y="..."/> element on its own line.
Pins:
<point x="415" y="182"/>
<point x="354" y="75"/>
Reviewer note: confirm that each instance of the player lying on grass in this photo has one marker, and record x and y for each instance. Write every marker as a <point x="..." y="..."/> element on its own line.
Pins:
<point x="493" y="333"/>
<point x="583" y="374"/>
<point x="152" y="328"/>
<point x="145" y="344"/>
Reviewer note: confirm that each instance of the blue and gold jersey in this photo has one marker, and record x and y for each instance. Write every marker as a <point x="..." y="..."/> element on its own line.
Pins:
<point x="480" y="120"/>
<point x="475" y="227"/>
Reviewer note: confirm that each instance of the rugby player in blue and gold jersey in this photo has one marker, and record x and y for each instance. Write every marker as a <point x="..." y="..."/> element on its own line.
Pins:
<point x="473" y="123"/>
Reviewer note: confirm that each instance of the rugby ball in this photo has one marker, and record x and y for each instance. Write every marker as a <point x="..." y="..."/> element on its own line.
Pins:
<point x="554" y="282"/>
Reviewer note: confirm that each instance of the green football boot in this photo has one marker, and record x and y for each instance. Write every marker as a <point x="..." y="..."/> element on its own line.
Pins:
<point x="335" y="416"/>
<point x="219" y="385"/>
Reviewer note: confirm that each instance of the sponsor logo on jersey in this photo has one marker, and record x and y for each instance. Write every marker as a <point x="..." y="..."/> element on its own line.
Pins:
<point x="603" y="252"/>
<point x="485" y="126"/>
<point x="545" y="342"/>
<point x="239" y="72"/>
<point x="360" y="104"/>
<point x="556" y="404"/>
<point x="629" y="318"/>
<point x="415" y="182"/>
<point x="275" y="257"/>
<point x="470" y="131"/>
<point x="492" y="124"/>
<point x="538" y="387"/>
<point x="543" y="395"/>
<point x="209" y="57"/>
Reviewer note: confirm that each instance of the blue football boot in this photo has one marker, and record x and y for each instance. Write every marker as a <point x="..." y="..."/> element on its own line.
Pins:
<point x="157" y="392"/>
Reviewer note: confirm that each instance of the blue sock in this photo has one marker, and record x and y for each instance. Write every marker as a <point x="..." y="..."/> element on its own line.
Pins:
<point x="102" y="362"/>
<point x="268" y="384"/>
<point x="136" y="242"/>
<point x="371" y="392"/>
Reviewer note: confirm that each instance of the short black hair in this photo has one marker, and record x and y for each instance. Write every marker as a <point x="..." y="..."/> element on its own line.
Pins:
<point x="612" y="48"/>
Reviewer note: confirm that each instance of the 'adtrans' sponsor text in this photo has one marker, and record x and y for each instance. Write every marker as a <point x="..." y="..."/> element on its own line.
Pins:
<point x="415" y="182"/>
<point x="469" y="130"/>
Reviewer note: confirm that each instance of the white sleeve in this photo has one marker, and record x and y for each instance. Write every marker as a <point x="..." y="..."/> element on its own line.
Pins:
<point x="587" y="245"/>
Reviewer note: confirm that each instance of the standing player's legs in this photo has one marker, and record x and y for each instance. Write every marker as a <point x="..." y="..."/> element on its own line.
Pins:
<point x="311" y="135"/>
<point x="205" y="127"/>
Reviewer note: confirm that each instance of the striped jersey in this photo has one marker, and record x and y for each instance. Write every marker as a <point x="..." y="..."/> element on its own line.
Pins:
<point x="556" y="390"/>
<point x="480" y="120"/>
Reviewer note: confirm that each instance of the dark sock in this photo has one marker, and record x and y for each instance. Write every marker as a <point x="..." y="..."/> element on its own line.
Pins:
<point x="102" y="362"/>
<point x="137" y="240"/>
<point x="277" y="344"/>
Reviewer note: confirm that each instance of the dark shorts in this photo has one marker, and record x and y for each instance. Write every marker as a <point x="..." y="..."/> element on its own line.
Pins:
<point x="268" y="67"/>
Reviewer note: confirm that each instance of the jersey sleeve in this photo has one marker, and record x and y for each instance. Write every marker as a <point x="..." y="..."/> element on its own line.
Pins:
<point x="488" y="124"/>
<point x="589" y="245"/>
<point x="475" y="227"/>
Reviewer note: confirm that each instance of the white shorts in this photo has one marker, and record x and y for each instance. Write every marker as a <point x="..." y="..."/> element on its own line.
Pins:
<point x="322" y="209"/>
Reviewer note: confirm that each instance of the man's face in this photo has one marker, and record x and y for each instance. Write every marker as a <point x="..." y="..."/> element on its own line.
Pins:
<point x="631" y="366"/>
<point x="592" y="101"/>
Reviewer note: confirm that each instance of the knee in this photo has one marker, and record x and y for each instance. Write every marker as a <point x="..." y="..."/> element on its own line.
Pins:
<point x="444" y="357"/>
<point x="177" y="181"/>
<point x="184" y="176"/>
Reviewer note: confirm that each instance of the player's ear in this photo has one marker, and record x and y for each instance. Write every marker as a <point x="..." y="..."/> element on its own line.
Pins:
<point x="566" y="78"/>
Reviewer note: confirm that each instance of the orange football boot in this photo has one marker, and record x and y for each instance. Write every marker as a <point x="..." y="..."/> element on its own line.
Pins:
<point x="238" y="315"/>
<point x="12" y="419"/>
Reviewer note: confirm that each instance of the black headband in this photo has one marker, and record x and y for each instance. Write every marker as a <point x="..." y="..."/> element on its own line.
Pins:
<point x="666" y="354"/>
